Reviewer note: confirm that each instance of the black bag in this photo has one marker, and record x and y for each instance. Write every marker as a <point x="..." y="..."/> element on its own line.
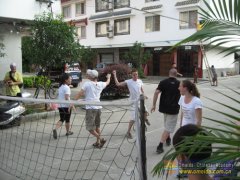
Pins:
<point x="14" y="80"/>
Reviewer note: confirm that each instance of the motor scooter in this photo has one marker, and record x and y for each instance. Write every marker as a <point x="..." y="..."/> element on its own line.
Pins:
<point x="11" y="112"/>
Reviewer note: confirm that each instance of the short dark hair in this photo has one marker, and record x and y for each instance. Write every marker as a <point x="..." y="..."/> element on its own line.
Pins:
<point x="64" y="77"/>
<point x="134" y="70"/>
<point x="200" y="153"/>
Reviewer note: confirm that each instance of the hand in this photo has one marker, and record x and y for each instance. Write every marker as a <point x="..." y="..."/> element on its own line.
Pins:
<point x="10" y="83"/>
<point x="114" y="72"/>
<point x="145" y="97"/>
<point x="153" y="109"/>
<point x="108" y="76"/>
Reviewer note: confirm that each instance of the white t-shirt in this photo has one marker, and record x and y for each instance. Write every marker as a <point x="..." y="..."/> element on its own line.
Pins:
<point x="188" y="110"/>
<point x="64" y="89"/>
<point x="134" y="88"/>
<point x="92" y="91"/>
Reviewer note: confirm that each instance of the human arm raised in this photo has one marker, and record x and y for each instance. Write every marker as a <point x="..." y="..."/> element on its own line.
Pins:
<point x="108" y="79"/>
<point x="116" y="80"/>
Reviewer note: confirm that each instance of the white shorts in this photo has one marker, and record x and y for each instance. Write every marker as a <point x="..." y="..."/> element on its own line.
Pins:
<point x="170" y="122"/>
<point x="133" y="114"/>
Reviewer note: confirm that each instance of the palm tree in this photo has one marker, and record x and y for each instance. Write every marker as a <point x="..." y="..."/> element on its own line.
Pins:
<point x="221" y="26"/>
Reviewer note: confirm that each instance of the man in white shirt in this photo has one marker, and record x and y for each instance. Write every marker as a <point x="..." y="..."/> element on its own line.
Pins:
<point x="135" y="88"/>
<point x="92" y="90"/>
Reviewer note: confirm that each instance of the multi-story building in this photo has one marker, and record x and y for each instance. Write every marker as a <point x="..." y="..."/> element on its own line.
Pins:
<point x="15" y="16"/>
<point x="112" y="26"/>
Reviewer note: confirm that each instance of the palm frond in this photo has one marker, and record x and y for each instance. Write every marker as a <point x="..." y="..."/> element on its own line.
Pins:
<point x="221" y="25"/>
<point x="224" y="137"/>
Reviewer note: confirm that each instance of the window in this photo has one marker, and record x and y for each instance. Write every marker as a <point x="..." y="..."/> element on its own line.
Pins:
<point x="81" y="32"/>
<point x="152" y="23"/>
<point x="122" y="26"/>
<point x="101" y="5"/>
<point x="121" y="3"/>
<point x="66" y="11"/>
<point x="101" y="29"/>
<point x="188" y="19"/>
<point x="80" y="9"/>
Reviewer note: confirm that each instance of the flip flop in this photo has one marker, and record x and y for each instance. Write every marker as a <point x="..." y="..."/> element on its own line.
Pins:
<point x="96" y="144"/>
<point x="102" y="142"/>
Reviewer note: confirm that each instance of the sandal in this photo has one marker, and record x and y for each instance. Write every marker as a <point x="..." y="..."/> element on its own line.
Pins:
<point x="96" y="144"/>
<point x="102" y="142"/>
<point x="69" y="133"/>
<point x="99" y="145"/>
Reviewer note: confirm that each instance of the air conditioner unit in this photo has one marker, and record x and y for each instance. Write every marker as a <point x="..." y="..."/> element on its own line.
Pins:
<point x="109" y="28"/>
<point x="110" y="34"/>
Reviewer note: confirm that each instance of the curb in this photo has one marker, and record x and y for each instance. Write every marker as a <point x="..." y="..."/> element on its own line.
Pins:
<point x="37" y="116"/>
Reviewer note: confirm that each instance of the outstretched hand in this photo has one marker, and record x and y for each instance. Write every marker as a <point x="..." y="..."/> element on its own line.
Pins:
<point x="114" y="72"/>
<point x="108" y="76"/>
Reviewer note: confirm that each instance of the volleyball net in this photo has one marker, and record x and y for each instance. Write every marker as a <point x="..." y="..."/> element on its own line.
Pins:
<point x="29" y="151"/>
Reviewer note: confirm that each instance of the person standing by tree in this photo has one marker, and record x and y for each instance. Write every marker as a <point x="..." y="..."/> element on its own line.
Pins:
<point x="135" y="88"/>
<point x="92" y="90"/>
<point x="190" y="103"/>
<point x="168" y="105"/>
<point x="12" y="81"/>
<point x="214" y="79"/>
<point x="64" y="109"/>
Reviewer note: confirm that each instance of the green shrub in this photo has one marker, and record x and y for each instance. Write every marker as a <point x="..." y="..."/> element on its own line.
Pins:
<point x="28" y="82"/>
<point x="123" y="73"/>
<point x="34" y="81"/>
<point x="141" y="73"/>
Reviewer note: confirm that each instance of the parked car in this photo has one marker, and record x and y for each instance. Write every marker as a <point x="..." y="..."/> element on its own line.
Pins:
<point x="72" y="69"/>
<point x="75" y="72"/>
<point x="101" y="66"/>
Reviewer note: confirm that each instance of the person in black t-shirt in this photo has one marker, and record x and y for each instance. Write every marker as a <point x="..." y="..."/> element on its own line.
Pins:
<point x="168" y="105"/>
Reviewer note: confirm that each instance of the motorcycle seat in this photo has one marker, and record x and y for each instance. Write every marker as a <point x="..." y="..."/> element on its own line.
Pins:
<point x="7" y="106"/>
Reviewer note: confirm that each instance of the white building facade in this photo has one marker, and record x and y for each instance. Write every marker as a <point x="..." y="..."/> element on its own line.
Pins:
<point x="14" y="18"/>
<point x="112" y="26"/>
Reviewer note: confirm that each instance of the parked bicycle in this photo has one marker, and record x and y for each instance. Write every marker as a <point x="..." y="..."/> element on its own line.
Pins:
<point x="51" y="90"/>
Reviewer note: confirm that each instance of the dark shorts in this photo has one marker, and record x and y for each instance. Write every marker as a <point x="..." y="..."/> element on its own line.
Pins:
<point x="64" y="114"/>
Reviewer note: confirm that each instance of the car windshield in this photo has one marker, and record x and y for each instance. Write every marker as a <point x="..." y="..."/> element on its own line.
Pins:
<point x="73" y="67"/>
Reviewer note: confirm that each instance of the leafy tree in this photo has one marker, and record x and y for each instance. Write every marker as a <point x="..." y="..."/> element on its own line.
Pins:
<point x="2" y="47"/>
<point x="137" y="56"/>
<point x="221" y="25"/>
<point x="53" y="42"/>
<point x="27" y="54"/>
<point x="87" y="56"/>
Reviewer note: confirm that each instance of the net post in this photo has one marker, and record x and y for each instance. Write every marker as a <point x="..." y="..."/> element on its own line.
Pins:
<point x="143" y="138"/>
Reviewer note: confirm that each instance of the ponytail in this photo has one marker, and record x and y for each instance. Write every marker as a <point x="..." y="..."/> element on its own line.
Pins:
<point x="192" y="88"/>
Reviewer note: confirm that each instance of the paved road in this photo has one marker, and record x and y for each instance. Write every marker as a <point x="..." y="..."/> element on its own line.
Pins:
<point x="156" y="119"/>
